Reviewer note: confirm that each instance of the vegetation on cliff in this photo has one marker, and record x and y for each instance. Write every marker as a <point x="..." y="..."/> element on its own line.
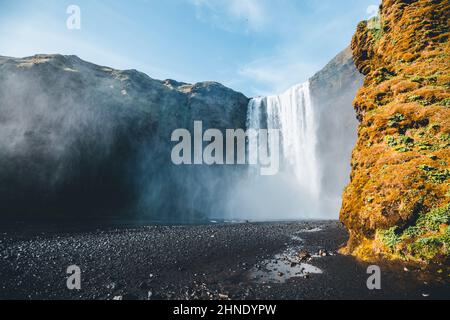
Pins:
<point x="397" y="204"/>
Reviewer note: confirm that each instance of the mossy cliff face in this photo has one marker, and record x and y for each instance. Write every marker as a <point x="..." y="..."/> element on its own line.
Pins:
<point x="397" y="204"/>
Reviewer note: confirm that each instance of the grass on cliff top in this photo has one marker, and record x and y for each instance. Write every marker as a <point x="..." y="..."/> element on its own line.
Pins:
<point x="424" y="241"/>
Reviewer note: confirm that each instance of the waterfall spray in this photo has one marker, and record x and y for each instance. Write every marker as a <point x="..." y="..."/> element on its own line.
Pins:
<point x="293" y="114"/>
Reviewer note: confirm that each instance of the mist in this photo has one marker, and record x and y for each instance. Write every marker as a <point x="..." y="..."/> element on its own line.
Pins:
<point x="85" y="141"/>
<point x="319" y="130"/>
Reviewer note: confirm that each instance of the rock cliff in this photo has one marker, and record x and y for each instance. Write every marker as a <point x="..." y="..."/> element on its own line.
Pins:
<point x="398" y="202"/>
<point x="332" y="90"/>
<point x="84" y="140"/>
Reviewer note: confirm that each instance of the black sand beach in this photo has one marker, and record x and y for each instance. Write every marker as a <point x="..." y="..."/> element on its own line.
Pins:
<point x="219" y="261"/>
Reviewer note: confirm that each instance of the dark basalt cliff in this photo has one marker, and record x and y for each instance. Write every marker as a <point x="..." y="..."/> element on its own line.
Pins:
<point x="82" y="140"/>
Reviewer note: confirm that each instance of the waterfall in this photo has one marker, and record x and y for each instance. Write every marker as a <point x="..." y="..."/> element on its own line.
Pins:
<point x="293" y="114"/>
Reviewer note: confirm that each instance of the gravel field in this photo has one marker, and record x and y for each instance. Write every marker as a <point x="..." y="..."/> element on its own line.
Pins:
<point x="285" y="260"/>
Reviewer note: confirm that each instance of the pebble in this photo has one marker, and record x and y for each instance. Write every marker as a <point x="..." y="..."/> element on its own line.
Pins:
<point x="304" y="255"/>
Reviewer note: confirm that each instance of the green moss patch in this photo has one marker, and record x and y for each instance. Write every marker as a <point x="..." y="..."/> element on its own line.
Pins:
<point x="428" y="238"/>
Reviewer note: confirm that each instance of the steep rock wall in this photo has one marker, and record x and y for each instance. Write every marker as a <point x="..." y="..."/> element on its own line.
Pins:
<point x="86" y="141"/>
<point x="397" y="204"/>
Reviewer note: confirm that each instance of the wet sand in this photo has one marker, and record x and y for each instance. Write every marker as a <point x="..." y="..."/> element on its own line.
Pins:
<point x="217" y="261"/>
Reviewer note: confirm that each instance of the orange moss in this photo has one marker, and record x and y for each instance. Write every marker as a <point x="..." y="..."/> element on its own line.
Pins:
<point x="404" y="121"/>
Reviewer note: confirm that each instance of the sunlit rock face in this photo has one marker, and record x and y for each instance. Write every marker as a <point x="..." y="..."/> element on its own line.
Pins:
<point x="397" y="204"/>
<point x="82" y="140"/>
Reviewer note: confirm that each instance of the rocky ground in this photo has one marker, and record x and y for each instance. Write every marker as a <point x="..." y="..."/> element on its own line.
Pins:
<point x="291" y="260"/>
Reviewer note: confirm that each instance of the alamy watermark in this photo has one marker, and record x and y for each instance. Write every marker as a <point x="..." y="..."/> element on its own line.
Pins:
<point x="373" y="19"/>
<point x="258" y="147"/>
<point x="74" y="280"/>
<point x="73" y="22"/>
<point x="374" y="281"/>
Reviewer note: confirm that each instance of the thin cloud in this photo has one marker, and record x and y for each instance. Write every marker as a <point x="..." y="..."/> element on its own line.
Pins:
<point x="276" y="74"/>
<point x="225" y="13"/>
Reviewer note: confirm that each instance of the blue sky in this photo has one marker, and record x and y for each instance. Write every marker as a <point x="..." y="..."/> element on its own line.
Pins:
<point x="254" y="46"/>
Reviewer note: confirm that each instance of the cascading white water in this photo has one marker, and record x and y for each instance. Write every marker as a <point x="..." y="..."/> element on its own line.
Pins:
<point x="293" y="114"/>
<point x="254" y="113"/>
